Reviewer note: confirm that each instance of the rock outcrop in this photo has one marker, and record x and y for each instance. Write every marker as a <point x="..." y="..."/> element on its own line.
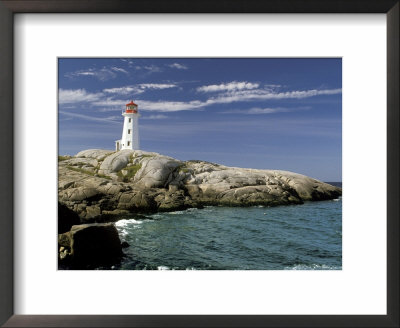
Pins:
<point x="90" y="245"/>
<point x="98" y="184"/>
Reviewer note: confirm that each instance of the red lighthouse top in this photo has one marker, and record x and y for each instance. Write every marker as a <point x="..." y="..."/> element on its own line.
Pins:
<point x="131" y="107"/>
<point x="131" y="103"/>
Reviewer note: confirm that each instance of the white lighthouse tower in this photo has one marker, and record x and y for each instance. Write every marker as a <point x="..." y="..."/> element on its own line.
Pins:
<point x="130" y="131"/>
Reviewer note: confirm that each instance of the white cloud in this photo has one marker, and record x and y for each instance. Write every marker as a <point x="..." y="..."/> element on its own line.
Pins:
<point x="248" y="95"/>
<point x="231" y="86"/>
<point x="77" y="95"/>
<point x="178" y="66"/>
<point x="103" y="74"/>
<point x="155" y="117"/>
<point x="139" y="88"/>
<point x="257" y="111"/>
<point x="123" y="90"/>
<point x="130" y="62"/>
<point x="152" y="69"/>
<point x="119" y="69"/>
<point x="81" y="73"/>
<point x="111" y="119"/>
<point x="170" y="106"/>
<point x="226" y="98"/>
<point x="157" y="85"/>
<point x="267" y="110"/>
<point x="110" y="103"/>
<point x="272" y="85"/>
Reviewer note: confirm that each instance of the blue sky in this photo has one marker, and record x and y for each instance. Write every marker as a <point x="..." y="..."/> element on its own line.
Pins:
<point x="261" y="113"/>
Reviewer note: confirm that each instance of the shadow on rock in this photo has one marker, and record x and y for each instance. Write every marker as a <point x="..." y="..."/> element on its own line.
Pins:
<point x="89" y="246"/>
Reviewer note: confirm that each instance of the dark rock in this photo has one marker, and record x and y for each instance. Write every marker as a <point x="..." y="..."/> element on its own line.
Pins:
<point x="66" y="218"/>
<point x="172" y="201"/>
<point x="91" y="245"/>
<point x="124" y="244"/>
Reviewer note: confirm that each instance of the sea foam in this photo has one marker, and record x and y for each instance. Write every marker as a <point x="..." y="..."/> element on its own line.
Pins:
<point x="124" y="225"/>
<point x="127" y="222"/>
<point x="313" y="267"/>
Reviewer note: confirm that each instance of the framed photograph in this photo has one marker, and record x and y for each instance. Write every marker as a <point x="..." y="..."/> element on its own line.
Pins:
<point x="219" y="164"/>
<point x="185" y="186"/>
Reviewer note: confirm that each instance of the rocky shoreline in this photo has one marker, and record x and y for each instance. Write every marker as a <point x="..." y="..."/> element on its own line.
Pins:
<point x="101" y="185"/>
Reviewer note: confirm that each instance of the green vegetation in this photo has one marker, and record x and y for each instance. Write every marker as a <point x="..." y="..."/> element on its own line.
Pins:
<point x="63" y="158"/>
<point x="103" y="176"/>
<point x="183" y="168"/>
<point x="205" y="162"/>
<point x="76" y="169"/>
<point x="131" y="171"/>
<point x="104" y="157"/>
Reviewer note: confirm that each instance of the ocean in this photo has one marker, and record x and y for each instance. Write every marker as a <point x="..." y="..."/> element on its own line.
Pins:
<point x="294" y="237"/>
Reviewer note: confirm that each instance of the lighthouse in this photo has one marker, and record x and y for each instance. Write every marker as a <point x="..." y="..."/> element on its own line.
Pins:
<point x="130" y="131"/>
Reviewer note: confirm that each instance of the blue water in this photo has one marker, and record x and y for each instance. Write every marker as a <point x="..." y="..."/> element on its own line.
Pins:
<point x="302" y="237"/>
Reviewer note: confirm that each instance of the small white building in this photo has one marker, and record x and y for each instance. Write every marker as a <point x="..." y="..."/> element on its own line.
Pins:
<point x="130" y="131"/>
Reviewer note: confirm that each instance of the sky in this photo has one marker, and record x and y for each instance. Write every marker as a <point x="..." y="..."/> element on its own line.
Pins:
<point x="263" y="113"/>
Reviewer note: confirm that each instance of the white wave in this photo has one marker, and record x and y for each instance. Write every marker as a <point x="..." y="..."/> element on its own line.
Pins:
<point x="313" y="267"/>
<point x="156" y="216"/>
<point x="123" y="225"/>
<point x="163" y="268"/>
<point x="177" y="212"/>
<point x="190" y="269"/>
<point x="127" y="222"/>
<point x="122" y="232"/>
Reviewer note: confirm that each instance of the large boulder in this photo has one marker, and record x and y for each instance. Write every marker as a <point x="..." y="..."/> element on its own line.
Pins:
<point x="136" y="201"/>
<point x="80" y="194"/>
<point x="308" y="188"/>
<point x="82" y="162"/>
<point x="98" y="154"/>
<point x="172" y="201"/>
<point x="116" y="162"/>
<point x="90" y="245"/>
<point x="156" y="172"/>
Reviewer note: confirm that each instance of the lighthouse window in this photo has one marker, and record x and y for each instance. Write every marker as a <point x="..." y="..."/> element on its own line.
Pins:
<point x="130" y="120"/>
<point x="129" y="143"/>
<point x="129" y="131"/>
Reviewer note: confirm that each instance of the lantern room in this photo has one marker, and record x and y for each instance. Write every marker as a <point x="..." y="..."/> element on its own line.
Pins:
<point x="131" y="108"/>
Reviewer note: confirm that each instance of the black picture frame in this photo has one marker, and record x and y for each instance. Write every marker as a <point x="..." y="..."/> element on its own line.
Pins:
<point x="10" y="7"/>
